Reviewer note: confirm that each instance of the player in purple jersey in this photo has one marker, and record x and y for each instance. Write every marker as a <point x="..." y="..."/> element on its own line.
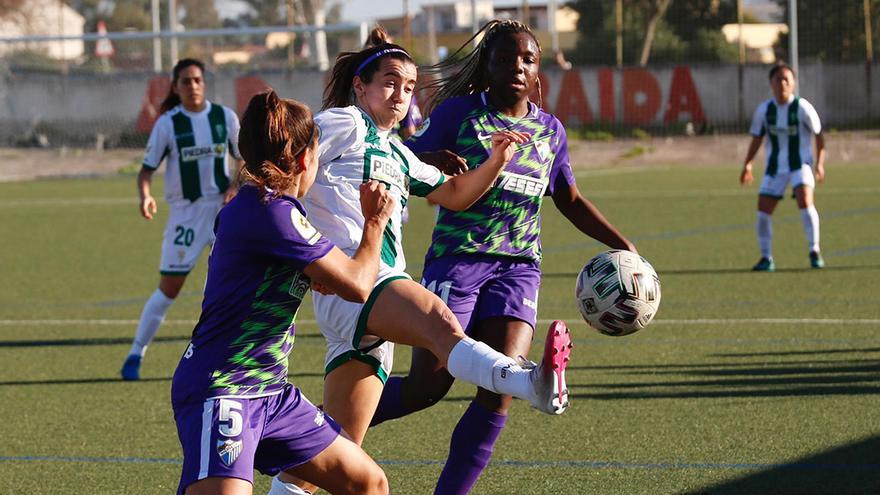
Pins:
<point x="234" y="408"/>
<point x="484" y="262"/>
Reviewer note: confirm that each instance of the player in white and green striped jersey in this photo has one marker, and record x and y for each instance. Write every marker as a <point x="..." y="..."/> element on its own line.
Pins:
<point x="788" y="121"/>
<point x="195" y="138"/>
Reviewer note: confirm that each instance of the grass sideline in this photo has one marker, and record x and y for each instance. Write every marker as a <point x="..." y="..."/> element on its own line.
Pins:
<point x="746" y="383"/>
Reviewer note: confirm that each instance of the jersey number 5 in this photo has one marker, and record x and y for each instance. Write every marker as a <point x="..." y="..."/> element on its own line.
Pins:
<point x="230" y="418"/>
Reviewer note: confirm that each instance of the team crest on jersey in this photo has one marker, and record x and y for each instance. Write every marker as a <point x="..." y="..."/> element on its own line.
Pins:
<point x="180" y="254"/>
<point x="319" y="417"/>
<point x="219" y="129"/>
<point x="303" y="227"/>
<point x="229" y="450"/>
<point x="543" y="149"/>
<point x="298" y="286"/>
<point x="422" y="128"/>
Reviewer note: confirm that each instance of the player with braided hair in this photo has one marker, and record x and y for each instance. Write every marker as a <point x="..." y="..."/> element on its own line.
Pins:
<point x="484" y="262"/>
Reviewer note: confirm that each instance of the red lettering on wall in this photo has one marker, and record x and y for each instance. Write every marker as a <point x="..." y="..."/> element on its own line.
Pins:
<point x="157" y="90"/>
<point x="641" y="96"/>
<point x="683" y="97"/>
<point x="572" y="101"/>
<point x="606" y="95"/>
<point x="245" y="88"/>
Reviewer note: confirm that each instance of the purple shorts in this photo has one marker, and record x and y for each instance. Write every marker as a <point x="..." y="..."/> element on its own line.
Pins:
<point x="229" y="437"/>
<point x="476" y="287"/>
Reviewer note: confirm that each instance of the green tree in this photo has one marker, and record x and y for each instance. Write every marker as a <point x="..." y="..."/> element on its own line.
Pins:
<point x="831" y="31"/>
<point x="133" y="15"/>
<point x="200" y="14"/>
<point x="687" y="30"/>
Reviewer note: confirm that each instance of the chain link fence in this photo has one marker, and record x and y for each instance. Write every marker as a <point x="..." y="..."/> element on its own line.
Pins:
<point x="658" y="67"/>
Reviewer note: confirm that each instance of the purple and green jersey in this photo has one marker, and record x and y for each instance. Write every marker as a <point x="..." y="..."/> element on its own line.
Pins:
<point x="505" y="221"/>
<point x="255" y="286"/>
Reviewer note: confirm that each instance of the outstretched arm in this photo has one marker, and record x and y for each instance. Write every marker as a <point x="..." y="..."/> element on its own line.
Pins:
<point x="588" y="219"/>
<point x="461" y="191"/>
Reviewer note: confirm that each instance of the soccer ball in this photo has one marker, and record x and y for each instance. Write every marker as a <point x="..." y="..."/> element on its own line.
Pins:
<point x="618" y="292"/>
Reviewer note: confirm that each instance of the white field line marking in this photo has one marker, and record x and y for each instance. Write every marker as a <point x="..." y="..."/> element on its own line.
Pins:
<point x="694" y="321"/>
<point x="15" y="203"/>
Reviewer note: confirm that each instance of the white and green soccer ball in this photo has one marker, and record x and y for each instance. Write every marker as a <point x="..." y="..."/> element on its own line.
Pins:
<point x="618" y="292"/>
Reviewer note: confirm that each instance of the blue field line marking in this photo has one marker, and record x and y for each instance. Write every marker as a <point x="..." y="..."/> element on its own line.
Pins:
<point x="800" y="466"/>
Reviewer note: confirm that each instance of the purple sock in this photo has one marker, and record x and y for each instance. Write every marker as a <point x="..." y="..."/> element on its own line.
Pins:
<point x="470" y="449"/>
<point x="391" y="403"/>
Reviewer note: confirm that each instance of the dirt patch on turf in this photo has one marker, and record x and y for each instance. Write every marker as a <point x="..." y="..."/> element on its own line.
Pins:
<point x="18" y="164"/>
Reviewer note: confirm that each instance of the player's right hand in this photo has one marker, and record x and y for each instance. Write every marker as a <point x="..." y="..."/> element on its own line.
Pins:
<point x="376" y="201"/>
<point x="745" y="177"/>
<point x="148" y="207"/>
<point x="503" y="144"/>
<point x="448" y="162"/>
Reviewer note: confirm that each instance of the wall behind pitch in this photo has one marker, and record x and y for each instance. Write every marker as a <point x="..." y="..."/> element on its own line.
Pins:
<point x="75" y="109"/>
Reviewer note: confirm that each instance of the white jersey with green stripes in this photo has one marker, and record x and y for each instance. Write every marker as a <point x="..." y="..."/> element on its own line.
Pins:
<point x="196" y="146"/>
<point x="789" y="129"/>
<point x="352" y="150"/>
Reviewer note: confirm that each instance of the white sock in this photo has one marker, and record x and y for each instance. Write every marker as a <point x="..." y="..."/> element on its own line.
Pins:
<point x="764" y="227"/>
<point x="477" y="363"/>
<point x="281" y="488"/>
<point x="810" y="219"/>
<point x="154" y="312"/>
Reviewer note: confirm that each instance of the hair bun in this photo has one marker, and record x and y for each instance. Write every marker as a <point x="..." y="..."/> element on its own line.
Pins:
<point x="272" y="100"/>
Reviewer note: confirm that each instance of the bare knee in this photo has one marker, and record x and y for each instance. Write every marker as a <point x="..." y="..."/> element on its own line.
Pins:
<point x="373" y="482"/>
<point x="443" y="331"/>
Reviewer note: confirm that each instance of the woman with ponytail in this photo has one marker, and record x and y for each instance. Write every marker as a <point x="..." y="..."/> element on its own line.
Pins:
<point x="485" y="261"/>
<point x="234" y="407"/>
<point x="369" y="92"/>
<point x="195" y="138"/>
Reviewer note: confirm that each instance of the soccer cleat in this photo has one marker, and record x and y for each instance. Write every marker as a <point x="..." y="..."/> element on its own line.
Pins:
<point x="131" y="368"/>
<point x="548" y="378"/>
<point x="816" y="260"/>
<point x="764" y="265"/>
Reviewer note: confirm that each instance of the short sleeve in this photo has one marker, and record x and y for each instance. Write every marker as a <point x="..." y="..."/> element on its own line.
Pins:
<point x="159" y="144"/>
<point x="561" y="175"/>
<point x="339" y="133"/>
<point x="437" y="132"/>
<point x="423" y="178"/>
<point x="234" y="126"/>
<point x="290" y="237"/>
<point x="809" y="117"/>
<point x="757" y="128"/>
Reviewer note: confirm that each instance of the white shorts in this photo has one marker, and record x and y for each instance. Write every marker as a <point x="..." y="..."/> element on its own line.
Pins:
<point x="344" y="325"/>
<point x="189" y="230"/>
<point x="775" y="186"/>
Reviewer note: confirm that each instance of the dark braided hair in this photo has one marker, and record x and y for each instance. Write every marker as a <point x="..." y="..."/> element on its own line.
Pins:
<point x="464" y="73"/>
